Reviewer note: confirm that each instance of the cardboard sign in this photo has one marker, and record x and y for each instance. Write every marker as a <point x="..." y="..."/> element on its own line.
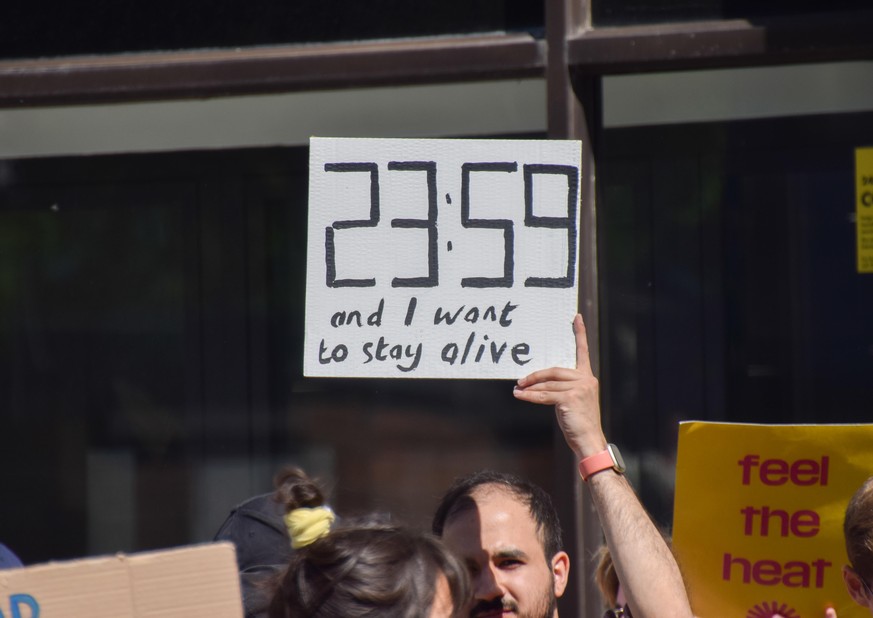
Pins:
<point x="441" y="258"/>
<point x="190" y="582"/>
<point x="759" y="513"/>
<point x="864" y="208"/>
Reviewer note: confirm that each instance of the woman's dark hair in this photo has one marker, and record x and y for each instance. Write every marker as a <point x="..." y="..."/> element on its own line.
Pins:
<point x="368" y="569"/>
<point x="295" y="489"/>
<point x="858" y="530"/>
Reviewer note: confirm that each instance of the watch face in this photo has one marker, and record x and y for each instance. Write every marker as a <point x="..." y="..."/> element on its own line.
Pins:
<point x="617" y="459"/>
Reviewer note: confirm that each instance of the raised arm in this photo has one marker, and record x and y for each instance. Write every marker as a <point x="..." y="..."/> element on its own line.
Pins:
<point x="645" y="565"/>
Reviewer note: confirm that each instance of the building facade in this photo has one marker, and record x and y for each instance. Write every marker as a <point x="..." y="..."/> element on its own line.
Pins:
<point x="153" y="186"/>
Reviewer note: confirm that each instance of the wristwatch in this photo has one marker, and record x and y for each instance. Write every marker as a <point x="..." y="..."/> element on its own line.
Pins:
<point x="604" y="460"/>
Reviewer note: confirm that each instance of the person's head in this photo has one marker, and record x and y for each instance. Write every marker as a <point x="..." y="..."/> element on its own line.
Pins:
<point x="306" y="516"/>
<point x="368" y="570"/>
<point x="858" y="532"/>
<point x="507" y="532"/>
<point x="295" y="489"/>
<point x="606" y="578"/>
<point x="8" y="560"/>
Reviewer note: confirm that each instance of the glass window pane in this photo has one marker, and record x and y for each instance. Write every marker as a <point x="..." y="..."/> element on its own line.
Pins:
<point x="628" y="12"/>
<point x="730" y="290"/>
<point x="151" y="332"/>
<point x="30" y="29"/>
<point x="94" y="326"/>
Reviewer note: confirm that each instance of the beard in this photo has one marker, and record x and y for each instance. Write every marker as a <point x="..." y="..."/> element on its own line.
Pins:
<point x="544" y="607"/>
<point x="549" y="605"/>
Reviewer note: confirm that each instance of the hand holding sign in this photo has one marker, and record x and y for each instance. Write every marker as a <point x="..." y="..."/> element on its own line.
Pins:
<point x="648" y="573"/>
<point x="575" y="393"/>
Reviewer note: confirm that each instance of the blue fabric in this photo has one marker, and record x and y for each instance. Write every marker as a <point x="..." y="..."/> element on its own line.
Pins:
<point x="8" y="560"/>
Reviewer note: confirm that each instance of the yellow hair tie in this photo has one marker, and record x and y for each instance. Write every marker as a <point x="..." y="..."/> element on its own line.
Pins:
<point x="306" y="525"/>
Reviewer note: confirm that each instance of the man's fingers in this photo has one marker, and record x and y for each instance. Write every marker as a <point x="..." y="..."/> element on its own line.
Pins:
<point x="553" y="374"/>
<point x="536" y="396"/>
<point x="830" y="612"/>
<point x="555" y="386"/>
<point x="583" y="363"/>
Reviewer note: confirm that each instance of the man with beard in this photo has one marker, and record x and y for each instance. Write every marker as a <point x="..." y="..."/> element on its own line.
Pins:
<point x="507" y="531"/>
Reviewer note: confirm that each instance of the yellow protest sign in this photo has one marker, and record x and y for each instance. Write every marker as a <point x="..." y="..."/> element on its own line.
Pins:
<point x="758" y="516"/>
<point x="864" y="208"/>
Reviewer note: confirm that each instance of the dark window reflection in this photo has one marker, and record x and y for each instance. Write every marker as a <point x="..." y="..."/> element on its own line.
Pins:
<point x="93" y="335"/>
<point x="35" y="29"/>
<point x="627" y="12"/>
<point x="729" y="283"/>
<point x="151" y="334"/>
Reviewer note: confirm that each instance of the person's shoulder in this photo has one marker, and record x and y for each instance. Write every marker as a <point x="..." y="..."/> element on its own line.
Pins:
<point x="257" y="529"/>
<point x="8" y="559"/>
<point x="263" y="508"/>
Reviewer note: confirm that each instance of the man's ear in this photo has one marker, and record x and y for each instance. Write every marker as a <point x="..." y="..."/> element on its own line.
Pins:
<point x="855" y="587"/>
<point x="560" y="572"/>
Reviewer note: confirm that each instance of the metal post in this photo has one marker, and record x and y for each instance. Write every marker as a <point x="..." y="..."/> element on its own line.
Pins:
<point x="566" y="19"/>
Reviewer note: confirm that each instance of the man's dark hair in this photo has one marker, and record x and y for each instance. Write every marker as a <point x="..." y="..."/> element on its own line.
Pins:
<point x="459" y="499"/>
<point x="858" y="530"/>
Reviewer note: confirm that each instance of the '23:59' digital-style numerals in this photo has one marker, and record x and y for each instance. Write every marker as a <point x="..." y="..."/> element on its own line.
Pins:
<point x="565" y="280"/>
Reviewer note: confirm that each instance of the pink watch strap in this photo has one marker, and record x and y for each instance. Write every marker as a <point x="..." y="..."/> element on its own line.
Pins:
<point x="595" y="463"/>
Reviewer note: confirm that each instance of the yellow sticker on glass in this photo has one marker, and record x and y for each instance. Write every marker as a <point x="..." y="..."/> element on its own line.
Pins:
<point x="864" y="208"/>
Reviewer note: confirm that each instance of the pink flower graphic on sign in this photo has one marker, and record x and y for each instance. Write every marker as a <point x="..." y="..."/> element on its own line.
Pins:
<point x="769" y="610"/>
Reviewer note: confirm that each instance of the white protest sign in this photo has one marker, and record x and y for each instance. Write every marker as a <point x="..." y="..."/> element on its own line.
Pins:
<point x="434" y="258"/>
